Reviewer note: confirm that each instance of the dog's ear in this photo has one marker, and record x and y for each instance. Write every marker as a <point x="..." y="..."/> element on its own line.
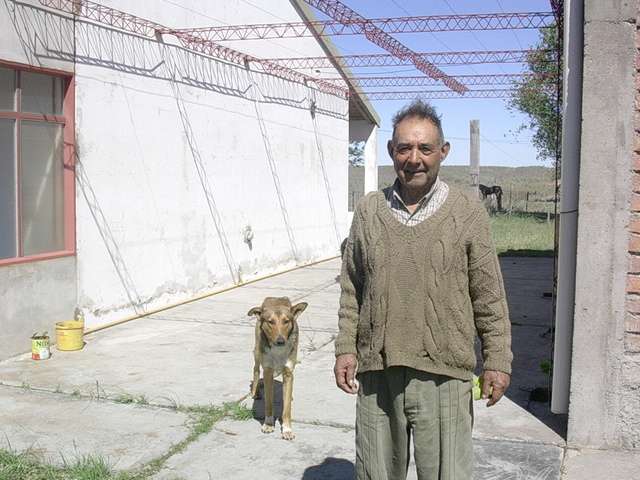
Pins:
<point x="257" y="311"/>
<point x="298" y="309"/>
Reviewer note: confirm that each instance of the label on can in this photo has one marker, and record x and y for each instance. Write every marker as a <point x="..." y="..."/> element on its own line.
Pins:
<point x="40" y="348"/>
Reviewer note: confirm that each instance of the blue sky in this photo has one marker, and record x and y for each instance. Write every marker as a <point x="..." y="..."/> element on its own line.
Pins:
<point x="500" y="142"/>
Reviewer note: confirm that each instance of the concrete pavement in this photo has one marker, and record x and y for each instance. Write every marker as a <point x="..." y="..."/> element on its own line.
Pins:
<point x="200" y="353"/>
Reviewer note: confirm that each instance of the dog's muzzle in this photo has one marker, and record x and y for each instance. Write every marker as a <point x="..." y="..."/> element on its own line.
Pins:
<point x="281" y="341"/>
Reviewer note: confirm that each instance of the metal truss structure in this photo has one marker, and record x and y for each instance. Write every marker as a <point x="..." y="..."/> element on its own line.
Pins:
<point x="422" y="24"/>
<point x="389" y="60"/>
<point x="344" y="21"/>
<point x="419" y="81"/>
<point x="441" y="94"/>
<point x="130" y="23"/>
<point x="343" y="14"/>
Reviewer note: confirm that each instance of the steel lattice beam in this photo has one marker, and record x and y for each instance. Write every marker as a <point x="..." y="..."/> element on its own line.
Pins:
<point x="108" y="16"/>
<point x="388" y="60"/>
<point x="558" y="11"/>
<point x="272" y="66"/>
<point x="417" y="81"/>
<point x="343" y="14"/>
<point x="442" y="94"/>
<point x="440" y="23"/>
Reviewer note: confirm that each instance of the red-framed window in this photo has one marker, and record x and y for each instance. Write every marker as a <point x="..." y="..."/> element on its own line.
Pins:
<point x="37" y="164"/>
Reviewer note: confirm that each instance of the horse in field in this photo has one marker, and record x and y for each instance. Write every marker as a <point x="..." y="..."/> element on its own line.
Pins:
<point x="494" y="190"/>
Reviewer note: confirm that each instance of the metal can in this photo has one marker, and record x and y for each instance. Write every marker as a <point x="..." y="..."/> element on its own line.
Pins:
<point x="40" y="347"/>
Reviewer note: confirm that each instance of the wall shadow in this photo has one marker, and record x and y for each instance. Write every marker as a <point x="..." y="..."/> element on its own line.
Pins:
<point x="106" y="233"/>
<point x="48" y="34"/>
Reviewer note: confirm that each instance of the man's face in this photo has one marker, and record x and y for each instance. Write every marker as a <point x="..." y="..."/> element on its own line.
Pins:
<point x="417" y="154"/>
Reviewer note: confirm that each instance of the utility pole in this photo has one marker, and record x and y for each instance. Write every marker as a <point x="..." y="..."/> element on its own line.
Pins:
<point x="474" y="160"/>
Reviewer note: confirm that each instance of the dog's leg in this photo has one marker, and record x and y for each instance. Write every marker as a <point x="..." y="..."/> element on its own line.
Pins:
<point x="255" y="387"/>
<point x="287" y="396"/>
<point x="257" y="357"/>
<point x="269" y="421"/>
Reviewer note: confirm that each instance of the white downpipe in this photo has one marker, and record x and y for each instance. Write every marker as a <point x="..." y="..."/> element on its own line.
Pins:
<point x="568" y="234"/>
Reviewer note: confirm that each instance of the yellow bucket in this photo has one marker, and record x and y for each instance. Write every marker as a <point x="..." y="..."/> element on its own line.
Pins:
<point x="70" y="335"/>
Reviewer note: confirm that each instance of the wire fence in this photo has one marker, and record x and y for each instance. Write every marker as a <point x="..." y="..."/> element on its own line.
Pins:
<point x="524" y="201"/>
<point x="513" y="200"/>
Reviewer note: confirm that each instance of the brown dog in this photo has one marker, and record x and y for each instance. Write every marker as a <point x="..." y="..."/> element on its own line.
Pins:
<point x="276" y="350"/>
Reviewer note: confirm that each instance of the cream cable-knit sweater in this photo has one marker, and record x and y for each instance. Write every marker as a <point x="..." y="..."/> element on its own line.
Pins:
<point x="416" y="296"/>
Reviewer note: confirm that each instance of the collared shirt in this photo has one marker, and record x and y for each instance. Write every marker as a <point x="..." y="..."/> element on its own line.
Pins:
<point x="427" y="206"/>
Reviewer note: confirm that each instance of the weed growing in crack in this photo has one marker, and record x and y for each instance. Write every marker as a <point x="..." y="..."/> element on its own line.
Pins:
<point x="238" y="411"/>
<point x="125" y="398"/>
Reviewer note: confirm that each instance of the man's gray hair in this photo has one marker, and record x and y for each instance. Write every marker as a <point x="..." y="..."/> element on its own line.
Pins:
<point x="422" y="110"/>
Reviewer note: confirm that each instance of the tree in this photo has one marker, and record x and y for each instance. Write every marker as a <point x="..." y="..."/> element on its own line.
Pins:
<point x="540" y="95"/>
<point x="356" y="154"/>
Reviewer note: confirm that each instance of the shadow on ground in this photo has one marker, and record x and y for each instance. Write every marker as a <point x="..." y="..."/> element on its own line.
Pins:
<point x="330" y="468"/>
<point x="531" y="327"/>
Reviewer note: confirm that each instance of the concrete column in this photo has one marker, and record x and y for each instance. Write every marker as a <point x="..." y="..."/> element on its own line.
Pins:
<point x="604" y="397"/>
<point x="371" y="161"/>
<point x="367" y="133"/>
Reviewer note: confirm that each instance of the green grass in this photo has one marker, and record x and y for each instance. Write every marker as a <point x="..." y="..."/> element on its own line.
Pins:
<point x="25" y="465"/>
<point x="237" y="411"/>
<point x="125" y="398"/>
<point x="22" y="466"/>
<point x="523" y="234"/>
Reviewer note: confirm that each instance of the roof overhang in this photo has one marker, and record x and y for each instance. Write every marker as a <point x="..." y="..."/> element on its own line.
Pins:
<point x="360" y="109"/>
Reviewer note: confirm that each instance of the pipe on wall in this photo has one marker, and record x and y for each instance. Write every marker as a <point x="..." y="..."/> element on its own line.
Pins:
<point x="568" y="231"/>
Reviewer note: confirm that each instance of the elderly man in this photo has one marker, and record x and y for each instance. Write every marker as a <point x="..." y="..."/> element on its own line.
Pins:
<point x="420" y="277"/>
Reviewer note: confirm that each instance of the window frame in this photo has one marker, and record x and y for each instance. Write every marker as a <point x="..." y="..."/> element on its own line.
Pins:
<point x="68" y="157"/>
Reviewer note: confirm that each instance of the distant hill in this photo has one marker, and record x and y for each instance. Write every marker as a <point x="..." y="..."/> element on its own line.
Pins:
<point x="516" y="182"/>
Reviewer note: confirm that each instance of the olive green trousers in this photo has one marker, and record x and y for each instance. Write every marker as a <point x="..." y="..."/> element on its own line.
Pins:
<point x="399" y="403"/>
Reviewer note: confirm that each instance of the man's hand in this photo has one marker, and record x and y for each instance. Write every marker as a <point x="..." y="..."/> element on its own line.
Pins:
<point x="345" y="371"/>
<point x="494" y="386"/>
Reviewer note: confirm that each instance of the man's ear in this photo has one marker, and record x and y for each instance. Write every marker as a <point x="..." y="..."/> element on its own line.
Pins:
<point x="390" y="148"/>
<point x="444" y="150"/>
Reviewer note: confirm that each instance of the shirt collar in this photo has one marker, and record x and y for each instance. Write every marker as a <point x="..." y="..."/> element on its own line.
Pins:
<point x="395" y="190"/>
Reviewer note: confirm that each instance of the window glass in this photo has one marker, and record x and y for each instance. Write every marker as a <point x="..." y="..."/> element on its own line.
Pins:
<point x="41" y="94"/>
<point x="42" y="195"/>
<point x="35" y="188"/>
<point x="8" y="231"/>
<point x="7" y="89"/>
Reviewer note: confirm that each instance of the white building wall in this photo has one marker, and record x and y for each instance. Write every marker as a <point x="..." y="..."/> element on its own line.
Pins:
<point x="179" y="153"/>
<point x="34" y="296"/>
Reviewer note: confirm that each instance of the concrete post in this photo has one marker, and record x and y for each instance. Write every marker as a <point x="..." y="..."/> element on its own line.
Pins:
<point x="474" y="160"/>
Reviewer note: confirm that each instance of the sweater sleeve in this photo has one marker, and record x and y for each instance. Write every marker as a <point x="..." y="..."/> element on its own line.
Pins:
<point x="486" y="289"/>
<point x="351" y="286"/>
